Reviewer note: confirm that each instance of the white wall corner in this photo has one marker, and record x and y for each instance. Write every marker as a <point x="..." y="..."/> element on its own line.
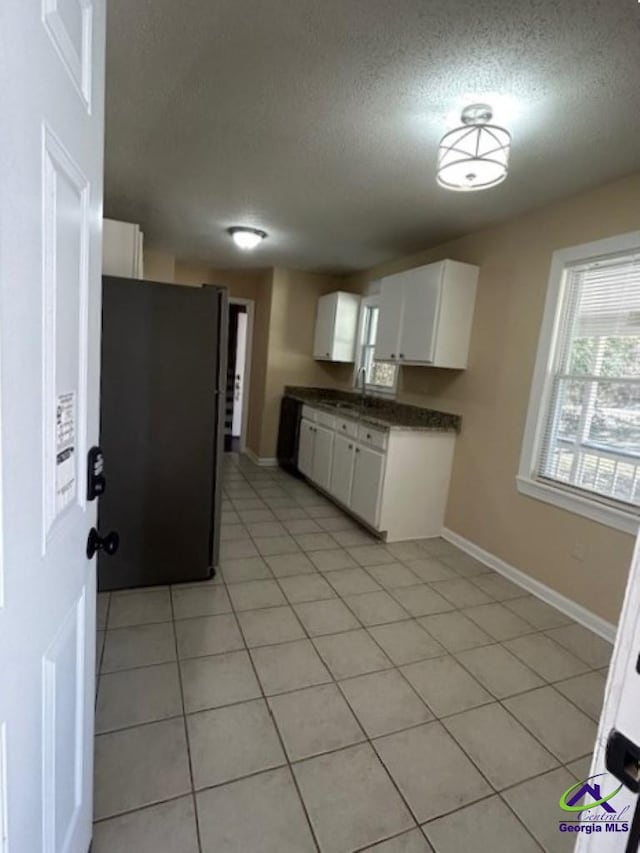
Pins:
<point x="571" y="608"/>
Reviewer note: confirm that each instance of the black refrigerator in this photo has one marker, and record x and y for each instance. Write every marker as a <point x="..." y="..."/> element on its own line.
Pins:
<point x="161" y="430"/>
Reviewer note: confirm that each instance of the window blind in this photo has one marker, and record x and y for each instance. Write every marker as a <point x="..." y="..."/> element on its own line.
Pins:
<point x="591" y="440"/>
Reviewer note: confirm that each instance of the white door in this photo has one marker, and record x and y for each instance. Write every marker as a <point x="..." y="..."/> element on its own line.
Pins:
<point x="305" y="448"/>
<point x="619" y="713"/>
<point x="52" y="71"/>
<point x="238" y="379"/>
<point x="322" y="455"/>
<point x="325" y="318"/>
<point x="390" y="317"/>
<point x="342" y="469"/>
<point x="422" y="288"/>
<point x="367" y="484"/>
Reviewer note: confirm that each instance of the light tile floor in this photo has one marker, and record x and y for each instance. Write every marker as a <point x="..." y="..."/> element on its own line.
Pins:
<point x="327" y="692"/>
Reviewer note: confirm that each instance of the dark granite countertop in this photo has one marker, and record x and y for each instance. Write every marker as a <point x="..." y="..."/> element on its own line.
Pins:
<point x="378" y="412"/>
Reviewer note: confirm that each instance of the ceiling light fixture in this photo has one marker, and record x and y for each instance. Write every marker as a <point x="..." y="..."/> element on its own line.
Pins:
<point x="246" y="238"/>
<point x="476" y="155"/>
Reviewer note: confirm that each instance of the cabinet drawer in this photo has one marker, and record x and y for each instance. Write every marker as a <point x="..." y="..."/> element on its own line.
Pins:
<point x="346" y="427"/>
<point x="309" y="413"/>
<point x="325" y="419"/>
<point x="375" y="437"/>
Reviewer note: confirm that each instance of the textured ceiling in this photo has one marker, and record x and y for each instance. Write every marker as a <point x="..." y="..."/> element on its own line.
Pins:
<point x="319" y="120"/>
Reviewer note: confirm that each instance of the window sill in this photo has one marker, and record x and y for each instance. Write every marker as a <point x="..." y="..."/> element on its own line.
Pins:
<point x="603" y="514"/>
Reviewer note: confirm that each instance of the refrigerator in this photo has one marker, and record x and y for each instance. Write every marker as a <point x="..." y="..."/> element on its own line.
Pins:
<point x="161" y="430"/>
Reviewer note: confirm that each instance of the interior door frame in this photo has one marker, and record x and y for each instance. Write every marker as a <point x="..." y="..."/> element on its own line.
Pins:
<point x="250" y="305"/>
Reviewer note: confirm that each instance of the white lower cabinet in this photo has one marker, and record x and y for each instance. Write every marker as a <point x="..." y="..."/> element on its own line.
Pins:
<point x="397" y="482"/>
<point x="322" y="456"/>
<point x="368" y="472"/>
<point x="342" y="468"/>
<point x="305" y="448"/>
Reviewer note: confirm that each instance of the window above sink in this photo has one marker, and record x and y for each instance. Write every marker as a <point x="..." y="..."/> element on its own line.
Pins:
<point x="381" y="376"/>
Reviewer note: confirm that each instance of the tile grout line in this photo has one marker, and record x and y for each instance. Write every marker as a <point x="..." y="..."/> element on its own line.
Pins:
<point x="276" y="728"/>
<point x="368" y="739"/>
<point x="496" y="791"/>
<point x="337" y="683"/>
<point x="186" y="731"/>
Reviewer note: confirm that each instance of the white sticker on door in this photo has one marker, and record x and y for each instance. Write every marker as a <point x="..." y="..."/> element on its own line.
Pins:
<point x="65" y="450"/>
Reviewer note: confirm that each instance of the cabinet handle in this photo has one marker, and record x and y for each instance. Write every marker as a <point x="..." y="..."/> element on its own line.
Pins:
<point x="328" y="354"/>
<point x="368" y="435"/>
<point x="393" y="355"/>
<point x="401" y="355"/>
<point x="357" y="450"/>
<point x="344" y="426"/>
<point x="351" y="447"/>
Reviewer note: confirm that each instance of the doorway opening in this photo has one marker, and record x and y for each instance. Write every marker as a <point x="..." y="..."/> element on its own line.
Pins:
<point x="239" y="340"/>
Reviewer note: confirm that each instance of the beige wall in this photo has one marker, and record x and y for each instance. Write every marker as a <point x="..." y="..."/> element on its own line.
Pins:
<point x="492" y="396"/>
<point x="284" y="323"/>
<point x="290" y="352"/>
<point x="159" y="265"/>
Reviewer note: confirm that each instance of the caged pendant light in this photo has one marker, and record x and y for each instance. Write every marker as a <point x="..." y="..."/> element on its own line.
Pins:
<point x="476" y="155"/>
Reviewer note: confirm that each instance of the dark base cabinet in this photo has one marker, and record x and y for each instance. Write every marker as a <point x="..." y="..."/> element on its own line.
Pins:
<point x="289" y="434"/>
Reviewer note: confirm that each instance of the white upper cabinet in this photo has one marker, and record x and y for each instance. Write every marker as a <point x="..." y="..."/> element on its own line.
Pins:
<point x="122" y="244"/>
<point x="426" y="315"/>
<point x="336" y="327"/>
<point x="421" y="294"/>
<point x="390" y="317"/>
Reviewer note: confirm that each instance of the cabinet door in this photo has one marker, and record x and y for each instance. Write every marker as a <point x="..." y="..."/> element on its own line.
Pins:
<point x="342" y="468"/>
<point x="422" y="289"/>
<point x="322" y="456"/>
<point x="305" y="448"/>
<point x="390" y="317"/>
<point x="325" y="321"/>
<point x="367" y="484"/>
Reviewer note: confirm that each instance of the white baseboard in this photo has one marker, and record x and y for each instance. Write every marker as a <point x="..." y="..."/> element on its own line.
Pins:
<point x="571" y="608"/>
<point x="262" y="461"/>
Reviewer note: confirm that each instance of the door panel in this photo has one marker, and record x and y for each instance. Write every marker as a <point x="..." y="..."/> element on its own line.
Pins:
<point x="421" y="303"/>
<point x="322" y="455"/>
<point x="367" y="484"/>
<point x="50" y="265"/>
<point x="323" y="339"/>
<point x="305" y="448"/>
<point x="390" y="318"/>
<point x="160" y="360"/>
<point x="619" y="713"/>
<point x="63" y="719"/>
<point x="66" y="237"/>
<point x="238" y="390"/>
<point x="342" y="469"/>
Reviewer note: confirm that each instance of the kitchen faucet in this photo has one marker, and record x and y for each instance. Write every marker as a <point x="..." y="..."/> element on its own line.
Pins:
<point x="361" y="377"/>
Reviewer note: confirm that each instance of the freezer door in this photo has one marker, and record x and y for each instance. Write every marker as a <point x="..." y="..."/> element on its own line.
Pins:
<point x="160" y="430"/>
<point x="222" y="297"/>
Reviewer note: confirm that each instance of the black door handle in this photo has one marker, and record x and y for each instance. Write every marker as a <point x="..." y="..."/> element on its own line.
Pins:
<point x="622" y="760"/>
<point x="109" y="543"/>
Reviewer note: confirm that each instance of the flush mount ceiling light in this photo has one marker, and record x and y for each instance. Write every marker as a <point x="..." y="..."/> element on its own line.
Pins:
<point x="476" y="155"/>
<point x="246" y="238"/>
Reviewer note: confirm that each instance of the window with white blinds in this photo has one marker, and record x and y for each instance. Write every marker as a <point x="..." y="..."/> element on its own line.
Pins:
<point x="590" y="437"/>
